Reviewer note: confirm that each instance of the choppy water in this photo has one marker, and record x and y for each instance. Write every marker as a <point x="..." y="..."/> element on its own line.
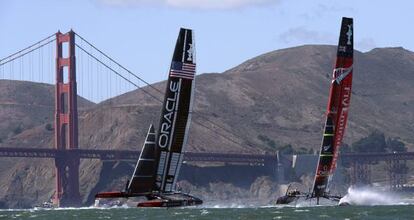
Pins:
<point x="329" y="212"/>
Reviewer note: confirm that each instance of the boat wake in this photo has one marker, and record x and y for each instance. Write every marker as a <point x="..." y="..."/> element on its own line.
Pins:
<point x="225" y="206"/>
<point x="368" y="196"/>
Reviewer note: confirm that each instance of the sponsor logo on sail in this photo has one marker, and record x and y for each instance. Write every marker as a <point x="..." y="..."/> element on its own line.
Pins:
<point x="323" y="170"/>
<point x="346" y="97"/>
<point x="168" y="115"/>
<point x="340" y="73"/>
<point x="326" y="148"/>
<point x="349" y="34"/>
<point x="321" y="186"/>
<point x="190" y="53"/>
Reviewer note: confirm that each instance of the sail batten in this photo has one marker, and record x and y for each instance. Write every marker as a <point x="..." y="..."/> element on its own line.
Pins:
<point x="337" y="110"/>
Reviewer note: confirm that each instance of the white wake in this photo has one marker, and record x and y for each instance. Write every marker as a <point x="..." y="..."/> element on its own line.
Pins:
<point x="370" y="197"/>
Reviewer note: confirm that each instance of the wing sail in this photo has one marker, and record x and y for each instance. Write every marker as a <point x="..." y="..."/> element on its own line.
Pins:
<point x="337" y="111"/>
<point x="142" y="181"/>
<point x="143" y="178"/>
<point x="176" y="112"/>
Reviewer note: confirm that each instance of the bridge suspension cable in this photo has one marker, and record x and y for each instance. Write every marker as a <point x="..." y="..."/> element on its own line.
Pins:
<point x="116" y="72"/>
<point x="27" y="50"/>
<point x="117" y="63"/>
<point x="155" y="89"/>
<point x="33" y="63"/>
<point x="51" y="38"/>
<point x="159" y="100"/>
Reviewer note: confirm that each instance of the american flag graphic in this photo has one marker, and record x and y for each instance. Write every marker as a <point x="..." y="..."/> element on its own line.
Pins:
<point x="182" y="70"/>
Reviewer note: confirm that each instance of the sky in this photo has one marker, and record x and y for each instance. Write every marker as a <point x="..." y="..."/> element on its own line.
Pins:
<point x="141" y="34"/>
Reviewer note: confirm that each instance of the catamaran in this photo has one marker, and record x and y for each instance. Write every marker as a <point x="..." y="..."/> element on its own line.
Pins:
<point x="336" y="119"/>
<point x="156" y="172"/>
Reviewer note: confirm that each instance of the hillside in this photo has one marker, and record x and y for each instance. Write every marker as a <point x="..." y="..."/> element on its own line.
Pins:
<point x="280" y="96"/>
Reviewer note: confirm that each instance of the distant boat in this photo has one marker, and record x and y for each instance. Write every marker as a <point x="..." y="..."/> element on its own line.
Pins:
<point x="45" y="205"/>
<point x="336" y="119"/>
<point x="156" y="172"/>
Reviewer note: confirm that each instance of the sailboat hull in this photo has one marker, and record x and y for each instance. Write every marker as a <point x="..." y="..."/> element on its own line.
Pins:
<point x="171" y="200"/>
<point x="306" y="200"/>
<point x="284" y="200"/>
<point x="174" y="199"/>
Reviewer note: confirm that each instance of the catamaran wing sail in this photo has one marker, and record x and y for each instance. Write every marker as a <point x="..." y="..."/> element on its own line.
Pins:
<point x="176" y="112"/>
<point x="142" y="181"/>
<point x="337" y="111"/>
<point x="143" y="178"/>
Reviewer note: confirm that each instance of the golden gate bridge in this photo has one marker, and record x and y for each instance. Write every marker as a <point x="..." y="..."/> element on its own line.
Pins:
<point x="61" y="70"/>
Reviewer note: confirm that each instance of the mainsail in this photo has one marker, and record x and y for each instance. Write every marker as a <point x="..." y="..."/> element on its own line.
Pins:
<point x="337" y="111"/>
<point x="142" y="180"/>
<point x="176" y="112"/>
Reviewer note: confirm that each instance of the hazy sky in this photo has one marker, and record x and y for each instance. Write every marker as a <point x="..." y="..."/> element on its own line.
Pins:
<point x="141" y="33"/>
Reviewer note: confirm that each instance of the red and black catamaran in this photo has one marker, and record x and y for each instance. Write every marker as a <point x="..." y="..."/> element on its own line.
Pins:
<point x="158" y="166"/>
<point x="336" y="118"/>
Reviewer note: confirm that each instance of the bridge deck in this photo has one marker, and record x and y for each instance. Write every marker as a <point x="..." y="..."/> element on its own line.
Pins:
<point x="189" y="156"/>
<point x="130" y="155"/>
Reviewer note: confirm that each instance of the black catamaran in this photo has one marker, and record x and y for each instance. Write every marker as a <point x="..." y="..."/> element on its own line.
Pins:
<point x="158" y="166"/>
<point x="336" y="119"/>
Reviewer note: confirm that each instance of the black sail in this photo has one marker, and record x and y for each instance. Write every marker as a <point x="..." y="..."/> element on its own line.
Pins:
<point x="142" y="180"/>
<point x="176" y="112"/>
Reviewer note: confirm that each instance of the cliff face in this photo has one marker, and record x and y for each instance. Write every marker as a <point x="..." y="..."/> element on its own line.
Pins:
<point x="275" y="99"/>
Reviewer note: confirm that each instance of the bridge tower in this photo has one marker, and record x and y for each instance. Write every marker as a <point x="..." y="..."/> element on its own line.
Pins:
<point x="397" y="173"/>
<point x="66" y="122"/>
<point x="360" y="173"/>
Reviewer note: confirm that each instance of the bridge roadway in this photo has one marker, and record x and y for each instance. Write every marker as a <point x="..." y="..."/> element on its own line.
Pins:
<point x="131" y="155"/>
<point x="189" y="156"/>
<point x="377" y="157"/>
